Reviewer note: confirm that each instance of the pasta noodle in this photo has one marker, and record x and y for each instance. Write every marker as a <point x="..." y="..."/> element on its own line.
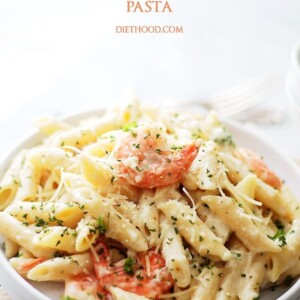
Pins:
<point x="143" y="204"/>
<point x="61" y="268"/>
<point x="11" y="180"/>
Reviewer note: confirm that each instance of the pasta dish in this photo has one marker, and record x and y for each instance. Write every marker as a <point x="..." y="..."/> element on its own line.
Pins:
<point x="147" y="203"/>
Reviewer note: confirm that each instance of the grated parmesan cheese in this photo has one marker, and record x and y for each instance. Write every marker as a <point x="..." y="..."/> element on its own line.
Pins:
<point x="193" y="203"/>
<point x="148" y="266"/>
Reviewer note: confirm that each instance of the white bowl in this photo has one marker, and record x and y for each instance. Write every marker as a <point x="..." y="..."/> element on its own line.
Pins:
<point x="20" y="289"/>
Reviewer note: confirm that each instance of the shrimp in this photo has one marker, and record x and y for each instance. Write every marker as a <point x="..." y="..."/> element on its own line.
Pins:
<point x="149" y="282"/>
<point x="146" y="161"/>
<point x="85" y="287"/>
<point x="258" y="166"/>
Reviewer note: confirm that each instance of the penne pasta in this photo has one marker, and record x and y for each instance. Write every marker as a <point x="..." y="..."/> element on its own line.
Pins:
<point x="61" y="268"/>
<point x="174" y="254"/>
<point x="11" y="180"/>
<point x="57" y="237"/>
<point x="42" y="213"/>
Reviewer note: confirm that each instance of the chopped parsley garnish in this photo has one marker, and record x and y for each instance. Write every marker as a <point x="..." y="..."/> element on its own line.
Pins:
<point x="112" y="179"/>
<point x="52" y="218"/>
<point x="74" y="234"/>
<point x="67" y="298"/>
<point x="236" y="255"/>
<point x="40" y="222"/>
<point x="129" y="126"/>
<point x="128" y="265"/>
<point x="176" y="147"/>
<point x="150" y="229"/>
<point x="226" y="141"/>
<point x="280" y="236"/>
<point x="138" y="169"/>
<point x="101" y="225"/>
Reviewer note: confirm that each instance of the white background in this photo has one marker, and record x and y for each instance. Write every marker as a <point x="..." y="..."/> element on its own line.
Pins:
<point x="63" y="56"/>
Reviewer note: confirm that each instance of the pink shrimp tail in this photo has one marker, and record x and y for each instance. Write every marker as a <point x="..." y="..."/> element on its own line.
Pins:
<point x="258" y="166"/>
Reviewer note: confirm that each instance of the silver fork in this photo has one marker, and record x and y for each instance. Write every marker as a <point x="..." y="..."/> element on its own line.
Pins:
<point x="244" y="96"/>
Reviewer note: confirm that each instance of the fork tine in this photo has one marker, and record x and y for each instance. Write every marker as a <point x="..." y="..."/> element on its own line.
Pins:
<point x="240" y="92"/>
<point x="249" y="99"/>
<point x="246" y="102"/>
<point x="255" y="82"/>
<point x="248" y="96"/>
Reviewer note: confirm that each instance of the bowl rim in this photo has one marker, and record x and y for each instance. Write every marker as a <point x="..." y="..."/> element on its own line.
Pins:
<point x="24" y="286"/>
